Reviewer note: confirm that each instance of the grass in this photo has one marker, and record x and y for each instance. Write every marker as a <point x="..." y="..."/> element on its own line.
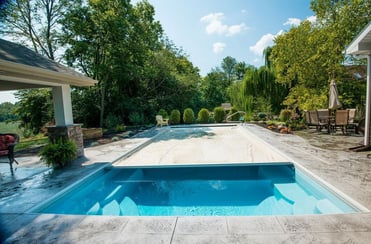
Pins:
<point x="25" y="143"/>
<point x="10" y="128"/>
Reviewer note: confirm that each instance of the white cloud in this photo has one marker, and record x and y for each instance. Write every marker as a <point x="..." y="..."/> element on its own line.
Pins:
<point x="218" y="47"/>
<point x="215" y="25"/>
<point x="292" y="22"/>
<point x="312" y="18"/>
<point x="235" y="29"/>
<point x="265" y="41"/>
<point x="244" y="11"/>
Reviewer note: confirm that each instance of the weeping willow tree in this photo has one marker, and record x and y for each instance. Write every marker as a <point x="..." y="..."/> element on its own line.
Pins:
<point x="260" y="91"/>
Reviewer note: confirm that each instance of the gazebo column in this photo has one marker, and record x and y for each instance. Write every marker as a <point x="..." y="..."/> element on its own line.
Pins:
<point x="64" y="126"/>
<point x="368" y="105"/>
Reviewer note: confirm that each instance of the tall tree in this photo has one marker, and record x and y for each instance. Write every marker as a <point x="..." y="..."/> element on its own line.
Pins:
<point x="110" y="41"/>
<point x="229" y="67"/>
<point x="35" y="23"/>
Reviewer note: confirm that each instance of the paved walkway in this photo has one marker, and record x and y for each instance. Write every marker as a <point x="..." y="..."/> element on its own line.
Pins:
<point x="348" y="171"/>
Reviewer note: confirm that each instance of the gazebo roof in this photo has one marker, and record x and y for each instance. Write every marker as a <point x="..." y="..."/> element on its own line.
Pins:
<point x="22" y="68"/>
<point x="361" y="45"/>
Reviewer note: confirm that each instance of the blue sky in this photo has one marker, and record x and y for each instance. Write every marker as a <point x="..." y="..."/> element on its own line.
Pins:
<point x="210" y="30"/>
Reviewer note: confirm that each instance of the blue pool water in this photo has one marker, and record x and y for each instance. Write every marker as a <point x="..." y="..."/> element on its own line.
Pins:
<point x="214" y="190"/>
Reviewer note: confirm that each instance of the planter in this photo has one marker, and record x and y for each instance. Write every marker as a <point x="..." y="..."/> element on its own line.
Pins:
<point x="92" y="133"/>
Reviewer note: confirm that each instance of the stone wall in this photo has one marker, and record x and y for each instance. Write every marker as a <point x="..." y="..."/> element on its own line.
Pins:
<point x="72" y="132"/>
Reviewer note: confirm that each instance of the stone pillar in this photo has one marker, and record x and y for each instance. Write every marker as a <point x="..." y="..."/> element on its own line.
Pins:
<point x="72" y="132"/>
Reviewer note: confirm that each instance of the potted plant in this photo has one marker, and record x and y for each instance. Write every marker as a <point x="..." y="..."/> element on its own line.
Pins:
<point x="58" y="153"/>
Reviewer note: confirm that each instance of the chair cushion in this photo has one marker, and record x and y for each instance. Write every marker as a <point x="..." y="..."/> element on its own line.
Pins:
<point x="5" y="140"/>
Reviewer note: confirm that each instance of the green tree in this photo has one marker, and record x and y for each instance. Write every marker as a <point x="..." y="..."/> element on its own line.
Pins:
<point x="35" y="108"/>
<point x="35" y="22"/>
<point x="229" y="67"/>
<point x="7" y="112"/>
<point x="111" y="41"/>
<point x="214" y="89"/>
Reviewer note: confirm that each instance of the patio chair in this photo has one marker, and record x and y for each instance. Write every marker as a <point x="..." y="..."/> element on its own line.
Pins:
<point x="314" y="119"/>
<point x="341" y="120"/>
<point x="351" y="120"/>
<point x="161" y="121"/>
<point x="7" y="144"/>
<point x="308" y="119"/>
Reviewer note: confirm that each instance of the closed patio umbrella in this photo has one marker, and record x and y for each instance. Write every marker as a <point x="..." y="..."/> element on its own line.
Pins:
<point x="334" y="101"/>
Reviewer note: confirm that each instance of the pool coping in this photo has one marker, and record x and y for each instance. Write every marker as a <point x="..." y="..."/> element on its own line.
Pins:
<point x="262" y="229"/>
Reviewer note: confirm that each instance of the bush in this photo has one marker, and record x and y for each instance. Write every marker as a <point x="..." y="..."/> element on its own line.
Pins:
<point x="285" y="115"/>
<point x="136" y="118"/>
<point x="163" y="113"/>
<point x="58" y="153"/>
<point x="203" y="116"/>
<point x="219" y="114"/>
<point x="120" y="128"/>
<point x="235" y="117"/>
<point x="262" y="116"/>
<point x="188" y="116"/>
<point x="174" y="117"/>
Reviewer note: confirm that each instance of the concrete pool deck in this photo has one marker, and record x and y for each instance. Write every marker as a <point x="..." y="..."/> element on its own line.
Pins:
<point x="349" y="172"/>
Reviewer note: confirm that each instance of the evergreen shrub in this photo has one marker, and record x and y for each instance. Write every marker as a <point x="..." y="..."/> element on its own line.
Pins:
<point x="188" y="116"/>
<point x="203" y="116"/>
<point x="174" y="117"/>
<point x="219" y="114"/>
<point x="285" y="115"/>
<point x="163" y="113"/>
<point x="235" y="117"/>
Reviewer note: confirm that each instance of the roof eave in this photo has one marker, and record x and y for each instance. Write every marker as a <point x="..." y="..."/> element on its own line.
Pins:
<point x="33" y="73"/>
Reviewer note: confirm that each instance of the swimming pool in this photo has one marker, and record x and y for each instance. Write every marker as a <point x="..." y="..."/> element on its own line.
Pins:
<point x="207" y="190"/>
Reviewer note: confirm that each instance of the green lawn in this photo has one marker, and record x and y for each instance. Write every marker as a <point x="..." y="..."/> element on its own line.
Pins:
<point x="25" y="143"/>
<point x="10" y="128"/>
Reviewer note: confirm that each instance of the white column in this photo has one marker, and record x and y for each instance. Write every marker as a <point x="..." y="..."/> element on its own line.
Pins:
<point x="62" y="105"/>
<point x="368" y="100"/>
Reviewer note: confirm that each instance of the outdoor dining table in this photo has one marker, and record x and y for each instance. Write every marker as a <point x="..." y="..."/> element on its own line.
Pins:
<point x="328" y="119"/>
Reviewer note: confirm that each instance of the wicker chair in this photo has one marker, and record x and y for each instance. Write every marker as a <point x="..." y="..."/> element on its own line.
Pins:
<point x="7" y="144"/>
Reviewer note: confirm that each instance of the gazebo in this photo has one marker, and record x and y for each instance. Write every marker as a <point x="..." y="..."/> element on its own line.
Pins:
<point x="22" y="68"/>
<point x="361" y="46"/>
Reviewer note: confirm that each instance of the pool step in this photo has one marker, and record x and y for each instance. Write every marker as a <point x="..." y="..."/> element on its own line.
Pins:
<point x="325" y="206"/>
<point x="305" y="205"/>
<point x="290" y="191"/>
<point x="128" y="207"/>
<point x="272" y="206"/>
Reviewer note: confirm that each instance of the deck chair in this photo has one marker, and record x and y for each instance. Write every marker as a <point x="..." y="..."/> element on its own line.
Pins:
<point x="341" y="120"/>
<point x="351" y="120"/>
<point x="308" y="120"/>
<point x="161" y="121"/>
<point x="7" y="144"/>
<point x="314" y="119"/>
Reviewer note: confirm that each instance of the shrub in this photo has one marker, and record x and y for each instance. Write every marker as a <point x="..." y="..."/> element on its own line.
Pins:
<point x="236" y="116"/>
<point x="120" y="128"/>
<point x="262" y="116"/>
<point x="285" y="115"/>
<point x="174" y="117"/>
<point x="58" y="153"/>
<point x="136" y="118"/>
<point x="188" y="116"/>
<point x="203" y="116"/>
<point x="163" y="113"/>
<point x="219" y="114"/>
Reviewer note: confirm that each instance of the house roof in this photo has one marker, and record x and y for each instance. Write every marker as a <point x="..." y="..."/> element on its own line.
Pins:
<point x="361" y="45"/>
<point x="22" y="68"/>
